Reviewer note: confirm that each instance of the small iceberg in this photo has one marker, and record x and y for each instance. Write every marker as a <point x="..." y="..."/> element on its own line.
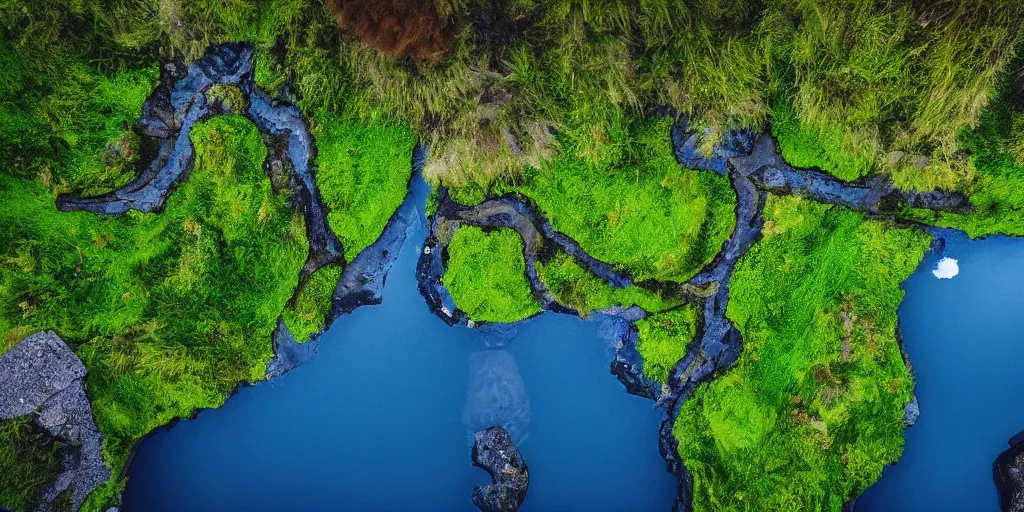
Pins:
<point x="946" y="269"/>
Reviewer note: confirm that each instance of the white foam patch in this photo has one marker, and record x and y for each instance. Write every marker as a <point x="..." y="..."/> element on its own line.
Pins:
<point x="946" y="269"/>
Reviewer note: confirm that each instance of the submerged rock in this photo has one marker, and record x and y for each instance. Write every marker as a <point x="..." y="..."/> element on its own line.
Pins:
<point x="495" y="453"/>
<point x="1008" y="472"/>
<point x="42" y="375"/>
<point x="496" y="395"/>
<point x="911" y="412"/>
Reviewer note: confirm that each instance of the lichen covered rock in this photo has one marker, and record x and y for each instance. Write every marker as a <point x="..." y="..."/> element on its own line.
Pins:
<point x="42" y="375"/>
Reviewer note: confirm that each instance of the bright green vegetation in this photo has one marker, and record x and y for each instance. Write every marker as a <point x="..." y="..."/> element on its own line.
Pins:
<point x="28" y="461"/>
<point x="575" y="287"/>
<point x="363" y="172"/>
<point x="813" y="409"/>
<point x="663" y="340"/>
<point x="633" y="205"/>
<point x="308" y="315"/>
<point x="807" y="148"/>
<point x="66" y="122"/>
<point x="486" y="275"/>
<point x="169" y="311"/>
<point x="997" y="154"/>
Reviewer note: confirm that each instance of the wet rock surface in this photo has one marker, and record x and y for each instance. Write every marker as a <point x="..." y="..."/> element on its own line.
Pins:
<point x="41" y="375"/>
<point x="289" y="354"/>
<point x="875" y="195"/>
<point x="361" y="282"/>
<point x="1008" y="473"/>
<point x="617" y="326"/>
<point x="494" y="452"/>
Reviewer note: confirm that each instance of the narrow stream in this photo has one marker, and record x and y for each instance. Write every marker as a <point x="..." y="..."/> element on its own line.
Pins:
<point x="381" y="419"/>
<point x="966" y="342"/>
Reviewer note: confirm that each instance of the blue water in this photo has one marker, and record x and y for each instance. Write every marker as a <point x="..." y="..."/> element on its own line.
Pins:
<point x="381" y="420"/>
<point x="965" y="338"/>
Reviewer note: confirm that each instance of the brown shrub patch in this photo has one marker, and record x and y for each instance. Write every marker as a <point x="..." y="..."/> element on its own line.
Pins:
<point x="399" y="28"/>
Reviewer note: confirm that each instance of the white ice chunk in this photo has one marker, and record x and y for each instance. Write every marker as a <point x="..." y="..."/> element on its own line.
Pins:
<point x="946" y="269"/>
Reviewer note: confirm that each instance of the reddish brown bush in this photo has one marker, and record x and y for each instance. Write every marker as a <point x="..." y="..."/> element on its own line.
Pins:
<point x="400" y="28"/>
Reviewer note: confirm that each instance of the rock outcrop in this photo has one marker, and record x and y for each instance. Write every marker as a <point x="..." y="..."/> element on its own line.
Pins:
<point x="42" y="376"/>
<point x="495" y="453"/>
<point x="1008" y="472"/>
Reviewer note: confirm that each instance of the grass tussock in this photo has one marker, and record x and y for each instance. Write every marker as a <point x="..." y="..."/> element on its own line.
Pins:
<point x="575" y="287"/>
<point x="813" y="409"/>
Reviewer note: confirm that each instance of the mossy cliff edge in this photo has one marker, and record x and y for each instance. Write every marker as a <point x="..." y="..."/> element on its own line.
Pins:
<point x="753" y="178"/>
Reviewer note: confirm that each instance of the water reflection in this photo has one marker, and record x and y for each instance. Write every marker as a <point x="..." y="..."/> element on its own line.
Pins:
<point x="496" y="394"/>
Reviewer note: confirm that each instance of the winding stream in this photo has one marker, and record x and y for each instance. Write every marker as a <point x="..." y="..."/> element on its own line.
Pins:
<point x="381" y="419"/>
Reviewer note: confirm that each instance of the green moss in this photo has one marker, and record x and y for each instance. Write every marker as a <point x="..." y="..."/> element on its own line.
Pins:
<point x="634" y="207"/>
<point x="813" y="409"/>
<point x="68" y="123"/>
<point x="169" y="311"/>
<point x="29" y="460"/>
<point x="573" y="286"/>
<point x="230" y="95"/>
<point x="663" y="339"/>
<point x="808" y="148"/>
<point x="363" y="173"/>
<point x="485" y="275"/>
<point x="309" y="314"/>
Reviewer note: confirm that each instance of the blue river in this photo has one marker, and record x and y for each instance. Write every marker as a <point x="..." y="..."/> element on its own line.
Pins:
<point x="382" y="418"/>
<point x="966" y="343"/>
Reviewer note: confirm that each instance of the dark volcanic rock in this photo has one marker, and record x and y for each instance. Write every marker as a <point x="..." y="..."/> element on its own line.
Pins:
<point x="42" y="375"/>
<point x="289" y="354"/>
<point x="495" y="453"/>
<point x="617" y="326"/>
<point x="1008" y="472"/>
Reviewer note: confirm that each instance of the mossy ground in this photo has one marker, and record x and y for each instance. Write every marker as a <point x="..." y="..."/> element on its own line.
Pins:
<point x="308" y="315"/>
<point x="363" y="172"/>
<point x="633" y="206"/>
<point x="575" y="287"/>
<point x="486" y="275"/>
<point x="168" y="311"/>
<point x="813" y="409"/>
<point x="663" y="339"/>
<point x="29" y="459"/>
